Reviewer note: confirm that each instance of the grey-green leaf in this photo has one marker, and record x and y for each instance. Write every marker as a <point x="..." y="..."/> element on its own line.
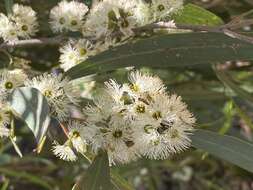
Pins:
<point x="32" y="107"/>
<point x="228" y="81"/>
<point x="228" y="148"/>
<point x="97" y="176"/>
<point x="8" y="6"/>
<point x="119" y="182"/>
<point x="174" y="50"/>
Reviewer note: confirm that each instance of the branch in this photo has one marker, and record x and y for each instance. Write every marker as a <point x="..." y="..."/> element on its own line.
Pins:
<point x="34" y="42"/>
<point x="171" y="25"/>
<point x="226" y="29"/>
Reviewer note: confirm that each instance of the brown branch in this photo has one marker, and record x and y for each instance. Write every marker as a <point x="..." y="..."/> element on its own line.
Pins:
<point x="64" y="129"/>
<point x="238" y="36"/>
<point x="226" y="29"/>
<point x="34" y="42"/>
<point x="168" y="25"/>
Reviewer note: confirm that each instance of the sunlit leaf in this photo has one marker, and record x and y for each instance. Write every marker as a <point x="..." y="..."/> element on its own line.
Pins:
<point x="195" y="15"/>
<point x="31" y="106"/>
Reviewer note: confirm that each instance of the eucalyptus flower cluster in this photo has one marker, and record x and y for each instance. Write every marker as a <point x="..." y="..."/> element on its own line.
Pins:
<point x="109" y="22"/>
<point x="138" y="119"/>
<point x="60" y="94"/>
<point x="130" y="121"/>
<point x="21" y="23"/>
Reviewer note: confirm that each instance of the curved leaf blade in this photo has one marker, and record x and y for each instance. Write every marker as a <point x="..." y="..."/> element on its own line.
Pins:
<point x="228" y="81"/>
<point x="228" y="148"/>
<point x="193" y="14"/>
<point x="97" y="177"/>
<point x="174" y="50"/>
<point x="8" y="6"/>
<point x="120" y="182"/>
<point x="32" y="107"/>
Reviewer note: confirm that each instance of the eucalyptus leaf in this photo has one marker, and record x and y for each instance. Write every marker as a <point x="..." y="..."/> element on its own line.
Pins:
<point x="228" y="81"/>
<point x="8" y="6"/>
<point x="32" y="107"/>
<point x="231" y="149"/>
<point x="97" y="176"/>
<point x="119" y="182"/>
<point x="195" y="15"/>
<point x="173" y="50"/>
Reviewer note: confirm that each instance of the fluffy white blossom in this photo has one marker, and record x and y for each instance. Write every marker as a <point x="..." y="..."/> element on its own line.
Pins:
<point x="22" y="23"/>
<point x="165" y="127"/>
<point x="10" y="80"/>
<point x="75" y="135"/>
<point x="97" y="23"/>
<point x="145" y="84"/>
<point x="163" y="8"/>
<point x="68" y="16"/>
<point x="142" y="13"/>
<point x="8" y="29"/>
<point x="64" y="152"/>
<point x="114" y="136"/>
<point x="25" y="19"/>
<point x="138" y="119"/>
<point x="55" y="89"/>
<point x="74" y="52"/>
<point x="111" y="16"/>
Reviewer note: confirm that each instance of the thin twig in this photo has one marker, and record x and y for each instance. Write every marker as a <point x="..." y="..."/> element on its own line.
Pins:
<point x="34" y="42"/>
<point x="64" y="129"/>
<point x="55" y="41"/>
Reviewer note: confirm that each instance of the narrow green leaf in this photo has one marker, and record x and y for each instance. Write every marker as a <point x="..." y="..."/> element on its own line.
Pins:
<point x="5" y="184"/>
<point x="195" y="15"/>
<point x="120" y="182"/>
<point x="228" y="148"/>
<point x="174" y="50"/>
<point x="97" y="176"/>
<point x="8" y="6"/>
<point x="31" y="106"/>
<point x="243" y="115"/>
<point x="228" y="81"/>
<point x="17" y="149"/>
<point x="22" y="175"/>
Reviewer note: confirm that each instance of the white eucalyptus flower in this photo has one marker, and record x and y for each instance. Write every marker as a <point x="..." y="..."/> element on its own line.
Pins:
<point x="64" y="152"/>
<point x="54" y="89"/>
<point x="166" y="127"/>
<point x="144" y="83"/>
<point x="114" y="136"/>
<point x="110" y="16"/>
<point x="25" y="20"/>
<point x="97" y="22"/>
<point x="163" y="8"/>
<point x="8" y="30"/>
<point x="142" y="13"/>
<point x="9" y="80"/>
<point x="75" y="52"/>
<point x="76" y="130"/>
<point x="22" y="23"/>
<point x="102" y="108"/>
<point x="68" y="16"/>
